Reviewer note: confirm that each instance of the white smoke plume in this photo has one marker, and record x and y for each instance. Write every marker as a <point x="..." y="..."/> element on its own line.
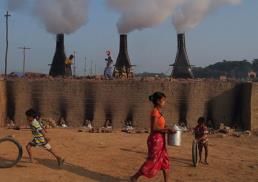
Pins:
<point x="62" y="16"/>
<point x="192" y="12"/>
<point x="58" y="16"/>
<point x="139" y="14"/>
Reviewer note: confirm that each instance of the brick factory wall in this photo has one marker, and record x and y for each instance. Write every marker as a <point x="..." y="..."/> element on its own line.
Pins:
<point x="246" y="105"/>
<point x="78" y="100"/>
<point x="254" y="107"/>
<point x="2" y="102"/>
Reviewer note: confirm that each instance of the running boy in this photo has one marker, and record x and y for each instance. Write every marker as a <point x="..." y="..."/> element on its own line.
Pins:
<point x="39" y="138"/>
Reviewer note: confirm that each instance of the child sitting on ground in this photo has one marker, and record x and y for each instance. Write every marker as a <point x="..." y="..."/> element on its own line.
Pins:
<point x="39" y="137"/>
<point x="201" y="135"/>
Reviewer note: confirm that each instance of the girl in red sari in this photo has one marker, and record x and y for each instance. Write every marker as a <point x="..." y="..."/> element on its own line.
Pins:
<point x="157" y="153"/>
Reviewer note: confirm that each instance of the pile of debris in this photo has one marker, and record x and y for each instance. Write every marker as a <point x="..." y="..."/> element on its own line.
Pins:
<point x="228" y="131"/>
<point x="128" y="127"/>
<point x="49" y="123"/>
<point x="88" y="127"/>
<point x="11" y="124"/>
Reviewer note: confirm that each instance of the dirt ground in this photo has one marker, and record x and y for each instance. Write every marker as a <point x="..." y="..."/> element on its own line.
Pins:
<point x="112" y="157"/>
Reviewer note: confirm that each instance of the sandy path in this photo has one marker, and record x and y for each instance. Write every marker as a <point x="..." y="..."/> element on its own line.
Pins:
<point x="114" y="157"/>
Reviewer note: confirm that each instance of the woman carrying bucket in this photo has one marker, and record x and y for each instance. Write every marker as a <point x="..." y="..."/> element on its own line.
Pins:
<point x="157" y="153"/>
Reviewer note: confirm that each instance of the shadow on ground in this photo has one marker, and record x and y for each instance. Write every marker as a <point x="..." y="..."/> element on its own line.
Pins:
<point x="80" y="171"/>
<point x="175" y="160"/>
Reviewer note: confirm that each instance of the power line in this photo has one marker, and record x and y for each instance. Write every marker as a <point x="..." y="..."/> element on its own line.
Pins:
<point x="91" y="68"/>
<point x="95" y="69"/>
<point x="74" y="65"/>
<point x="24" y="57"/>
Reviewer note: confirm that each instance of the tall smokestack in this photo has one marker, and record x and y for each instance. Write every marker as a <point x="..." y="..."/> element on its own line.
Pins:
<point x="123" y="64"/>
<point x="182" y="67"/>
<point x="58" y="63"/>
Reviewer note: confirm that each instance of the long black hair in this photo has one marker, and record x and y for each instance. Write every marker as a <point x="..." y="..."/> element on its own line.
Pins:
<point x="154" y="98"/>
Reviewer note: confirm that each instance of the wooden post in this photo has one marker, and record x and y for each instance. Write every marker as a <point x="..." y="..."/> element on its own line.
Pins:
<point x="74" y="65"/>
<point x="85" y="66"/>
<point x="7" y="15"/>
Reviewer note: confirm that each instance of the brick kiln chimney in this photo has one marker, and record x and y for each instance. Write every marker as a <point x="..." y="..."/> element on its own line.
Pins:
<point x="58" y="63"/>
<point x="182" y="67"/>
<point x="123" y="66"/>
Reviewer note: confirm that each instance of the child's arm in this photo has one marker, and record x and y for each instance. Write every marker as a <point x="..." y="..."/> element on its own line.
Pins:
<point x="204" y="134"/>
<point x="44" y="135"/>
<point x="42" y="131"/>
<point x="203" y="137"/>
<point x="195" y="132"/>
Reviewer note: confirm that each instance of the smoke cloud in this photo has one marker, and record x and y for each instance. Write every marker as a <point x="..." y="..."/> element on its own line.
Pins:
<point x="58" y="16"/>
<point x="62" y="16"/>
<point x="67" y="16"/>
<point x="140" y="14"/>
<point x="192" y="12"/>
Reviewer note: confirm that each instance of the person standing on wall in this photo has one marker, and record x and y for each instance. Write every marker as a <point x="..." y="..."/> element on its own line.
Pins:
<point x="157" y="153"/>
<point x="109" y="66"/>
<point x="68" y="66"/>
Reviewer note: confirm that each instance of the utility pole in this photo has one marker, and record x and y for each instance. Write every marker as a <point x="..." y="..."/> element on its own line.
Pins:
<point x="24" y="57"/>
<point x="85" y="66"/>
<point x="95" y="69"/>
<point x="7" y="15"/>
<point x="91" y="68"/>
<point x="74" y="66"/>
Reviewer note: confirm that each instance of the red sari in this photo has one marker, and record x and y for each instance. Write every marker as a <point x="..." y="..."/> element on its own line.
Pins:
<point x="157" y="153"/>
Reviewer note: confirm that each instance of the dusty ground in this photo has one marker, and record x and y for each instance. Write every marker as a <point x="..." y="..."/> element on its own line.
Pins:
<point x="114" y="157"/>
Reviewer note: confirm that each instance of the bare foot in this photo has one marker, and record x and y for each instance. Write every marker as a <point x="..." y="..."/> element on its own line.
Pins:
<point x="32" y="161"/>
<point x="206" y="163"/>
<point x="60" y="162"/>
<point x="133" y="179"/>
